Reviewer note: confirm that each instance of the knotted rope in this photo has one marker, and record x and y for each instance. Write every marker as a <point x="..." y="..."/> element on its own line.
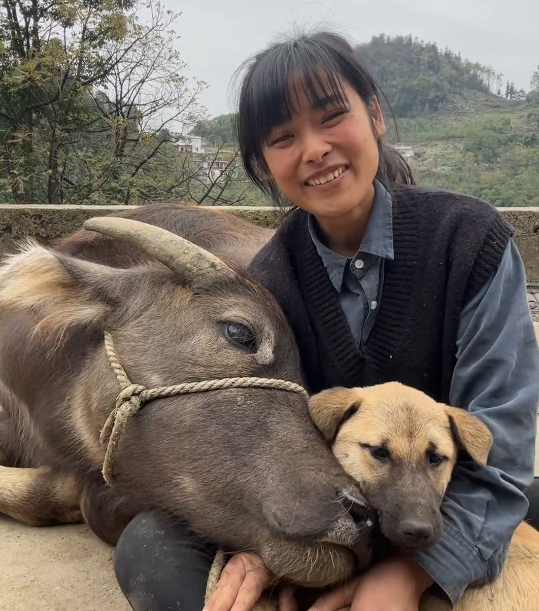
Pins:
<point x="133" y="396"/>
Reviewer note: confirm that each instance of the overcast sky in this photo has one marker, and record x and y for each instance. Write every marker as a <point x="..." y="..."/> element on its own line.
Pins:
<point x="218" y="35"/>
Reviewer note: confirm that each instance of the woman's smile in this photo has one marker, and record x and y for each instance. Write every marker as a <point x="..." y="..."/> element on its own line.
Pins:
<point x="327" y="179"/>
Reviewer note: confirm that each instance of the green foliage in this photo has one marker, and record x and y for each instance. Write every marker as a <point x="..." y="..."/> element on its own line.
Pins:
<point x="535" y="80"/>
<point x="219" y="130"/>
<point x="494" y="156"/>
<point x="468" y="133"/>
<point x="418" y="78"/>
<point x="93" y="98"/>
<point x="94" y="101"/>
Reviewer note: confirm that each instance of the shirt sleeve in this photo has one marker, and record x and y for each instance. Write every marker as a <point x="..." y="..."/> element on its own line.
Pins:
<point x="497" y="379"/>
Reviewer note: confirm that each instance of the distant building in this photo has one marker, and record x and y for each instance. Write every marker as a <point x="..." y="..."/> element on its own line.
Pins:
<point x="406" y="151"/>
<point x="191" y="144"/>
<point x="214" y="168"/>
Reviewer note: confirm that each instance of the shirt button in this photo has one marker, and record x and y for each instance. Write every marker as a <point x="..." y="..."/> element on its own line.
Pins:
<point x="374" y="305"/>
<point x="359" y="263"/>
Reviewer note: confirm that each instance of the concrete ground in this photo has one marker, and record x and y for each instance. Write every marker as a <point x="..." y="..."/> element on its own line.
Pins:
<point x="64" y="568"/>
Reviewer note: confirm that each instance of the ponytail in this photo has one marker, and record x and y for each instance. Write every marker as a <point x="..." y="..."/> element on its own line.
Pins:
<point x="392" y="167"/>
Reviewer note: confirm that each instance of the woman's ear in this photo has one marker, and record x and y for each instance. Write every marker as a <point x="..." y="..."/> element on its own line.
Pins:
<point x="379" y="123"/>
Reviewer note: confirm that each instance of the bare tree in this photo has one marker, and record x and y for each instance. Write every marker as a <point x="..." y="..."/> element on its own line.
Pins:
<point x="219" y="179"/>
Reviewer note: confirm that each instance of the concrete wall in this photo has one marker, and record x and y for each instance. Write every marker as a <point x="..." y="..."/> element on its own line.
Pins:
<point x="50" y="223"/>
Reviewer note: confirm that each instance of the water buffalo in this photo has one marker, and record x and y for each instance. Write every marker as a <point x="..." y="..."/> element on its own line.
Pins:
<point x="245" y="466"/>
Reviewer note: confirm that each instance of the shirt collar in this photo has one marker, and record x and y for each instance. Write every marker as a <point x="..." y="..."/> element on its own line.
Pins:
<point x="377" y="241"/>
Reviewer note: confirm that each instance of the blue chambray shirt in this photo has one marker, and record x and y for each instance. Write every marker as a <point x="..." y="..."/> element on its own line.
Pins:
<point x="496" y="378"/>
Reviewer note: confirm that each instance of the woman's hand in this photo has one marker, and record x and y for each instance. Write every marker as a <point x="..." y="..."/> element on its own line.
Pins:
<point x="394" y="585"/>
<point x="242" y="582"/>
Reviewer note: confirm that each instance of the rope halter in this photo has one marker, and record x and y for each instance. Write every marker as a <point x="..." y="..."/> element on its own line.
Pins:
<point x="133" y="396"/>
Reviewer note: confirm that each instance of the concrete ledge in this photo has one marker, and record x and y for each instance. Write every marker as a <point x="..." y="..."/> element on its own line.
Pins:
<point x="50" y="223"/>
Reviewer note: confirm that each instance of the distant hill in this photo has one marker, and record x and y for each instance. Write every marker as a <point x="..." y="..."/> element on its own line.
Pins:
<point x="418" y="78"/>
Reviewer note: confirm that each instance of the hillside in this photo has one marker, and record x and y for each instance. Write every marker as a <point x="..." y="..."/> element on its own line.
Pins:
<point x="475" y="146"/>
<point x="418" y="78"/>
<point x="465" y="134"/>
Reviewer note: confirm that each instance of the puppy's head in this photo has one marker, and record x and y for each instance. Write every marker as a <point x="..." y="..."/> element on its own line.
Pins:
<point x="401" y="446"/>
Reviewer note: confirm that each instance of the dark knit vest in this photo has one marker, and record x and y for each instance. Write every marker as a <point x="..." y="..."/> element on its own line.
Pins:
<point x="447" y="245"/>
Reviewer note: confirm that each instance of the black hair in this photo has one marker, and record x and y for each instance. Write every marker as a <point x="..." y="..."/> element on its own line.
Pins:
<point x="321" y="61"/>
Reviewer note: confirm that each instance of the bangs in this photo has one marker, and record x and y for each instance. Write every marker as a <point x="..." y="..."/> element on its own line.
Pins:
<point x="279" y="81"/>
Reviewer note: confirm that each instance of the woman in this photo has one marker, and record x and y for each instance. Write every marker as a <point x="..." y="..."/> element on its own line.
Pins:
<point x="380" y="280"/>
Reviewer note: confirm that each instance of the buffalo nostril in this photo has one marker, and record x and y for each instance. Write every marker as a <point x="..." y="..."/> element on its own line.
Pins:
<point x="419" y="531"/>
<point x="358" y="510"/>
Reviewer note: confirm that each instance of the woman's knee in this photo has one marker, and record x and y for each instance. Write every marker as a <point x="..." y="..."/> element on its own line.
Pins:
<point x="161" y="564"/>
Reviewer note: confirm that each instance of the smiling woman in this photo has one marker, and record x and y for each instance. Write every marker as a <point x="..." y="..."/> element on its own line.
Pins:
<point x="381" y="280"/>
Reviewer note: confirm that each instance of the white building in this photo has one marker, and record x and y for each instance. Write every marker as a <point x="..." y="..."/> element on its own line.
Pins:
<point x="191" y="144"/>
<point x="406" y="151"/>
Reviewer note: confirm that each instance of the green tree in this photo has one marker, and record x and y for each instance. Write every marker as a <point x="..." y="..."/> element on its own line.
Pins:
<point x="50" y="54"/>
<point x="535" y="80"/>
<point x="219" y="130"/>
<point x="93" y="97"/>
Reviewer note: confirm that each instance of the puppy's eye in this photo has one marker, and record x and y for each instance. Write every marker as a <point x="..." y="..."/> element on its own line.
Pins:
<point x="378" y="452"/>
<point x="240" y="335"/>
<point x="435" y="459"/>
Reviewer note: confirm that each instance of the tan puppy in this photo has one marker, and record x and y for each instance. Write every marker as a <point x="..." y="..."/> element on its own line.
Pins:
<point x="401" y="446"/>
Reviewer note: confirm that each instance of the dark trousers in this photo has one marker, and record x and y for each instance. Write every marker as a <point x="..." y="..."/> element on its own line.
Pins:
<point x="162" y="566"/>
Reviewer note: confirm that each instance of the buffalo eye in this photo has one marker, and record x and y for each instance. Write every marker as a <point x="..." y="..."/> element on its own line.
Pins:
<point x="241" y="336"/>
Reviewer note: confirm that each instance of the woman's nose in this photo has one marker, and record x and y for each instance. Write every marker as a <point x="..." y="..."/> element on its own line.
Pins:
<point x="315" y="148"/>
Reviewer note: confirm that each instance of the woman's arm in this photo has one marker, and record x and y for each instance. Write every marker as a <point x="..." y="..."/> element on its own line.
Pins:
<point x="497" y="379"/>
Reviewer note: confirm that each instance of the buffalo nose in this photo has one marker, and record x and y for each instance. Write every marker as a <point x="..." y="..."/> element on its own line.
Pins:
<point x="358" y="510"/>
<point x="417" y="531"/>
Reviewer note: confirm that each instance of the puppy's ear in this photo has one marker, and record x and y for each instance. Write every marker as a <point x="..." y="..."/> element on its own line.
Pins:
<point x="470" y="434"/>
<point x="331" y="408"/>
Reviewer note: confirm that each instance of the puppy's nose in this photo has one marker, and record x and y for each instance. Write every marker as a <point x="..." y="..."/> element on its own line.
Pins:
<point x="359" y="510"/>
<point x="417" y="531"/>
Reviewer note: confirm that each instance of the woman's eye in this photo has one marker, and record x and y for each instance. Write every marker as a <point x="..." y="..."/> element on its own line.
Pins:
<point x="240" y="335"/>
<point x="333" y="116"/>
<point x="281" y="139"/>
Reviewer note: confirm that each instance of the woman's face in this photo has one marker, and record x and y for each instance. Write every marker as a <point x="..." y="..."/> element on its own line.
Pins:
<point x="325" y="158"/>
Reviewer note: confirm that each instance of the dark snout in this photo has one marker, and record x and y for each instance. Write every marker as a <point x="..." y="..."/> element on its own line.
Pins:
<point x="417" y="528"/>
<point x="416" y="532"/>
<point x="326" y="507"/>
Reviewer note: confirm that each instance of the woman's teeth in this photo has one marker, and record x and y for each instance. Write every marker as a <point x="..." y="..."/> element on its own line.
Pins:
<point x="328" y="178"/>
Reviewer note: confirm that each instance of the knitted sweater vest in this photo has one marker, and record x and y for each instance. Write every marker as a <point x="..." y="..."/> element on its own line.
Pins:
<point x="447" y="246"/>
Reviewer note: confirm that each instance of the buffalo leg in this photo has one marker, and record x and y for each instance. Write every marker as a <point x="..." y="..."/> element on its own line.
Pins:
<point x="101" y="512"/>
<point x="39" y="497"/>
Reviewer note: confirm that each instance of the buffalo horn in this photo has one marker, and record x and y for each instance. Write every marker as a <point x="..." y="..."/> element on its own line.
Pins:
<point x="189" y="261"/>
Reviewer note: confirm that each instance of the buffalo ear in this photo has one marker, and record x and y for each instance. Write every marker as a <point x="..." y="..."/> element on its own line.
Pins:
<point x="58" y="290"/>
<point x="470" y="434"/>
<point x="329" y="409"/>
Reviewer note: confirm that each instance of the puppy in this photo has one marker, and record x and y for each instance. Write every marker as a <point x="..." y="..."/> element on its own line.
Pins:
<point x="402" y="446"/>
